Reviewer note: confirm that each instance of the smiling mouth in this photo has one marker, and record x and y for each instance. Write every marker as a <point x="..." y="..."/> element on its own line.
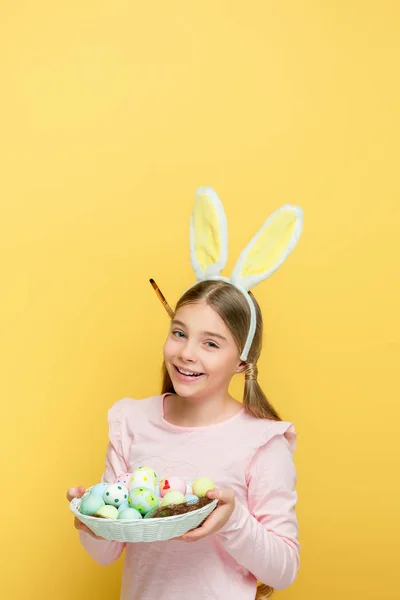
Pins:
<point x="186" y="373"/>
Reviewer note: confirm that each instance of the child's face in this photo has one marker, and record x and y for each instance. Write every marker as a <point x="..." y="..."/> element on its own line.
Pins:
<point x="200" y="353"/>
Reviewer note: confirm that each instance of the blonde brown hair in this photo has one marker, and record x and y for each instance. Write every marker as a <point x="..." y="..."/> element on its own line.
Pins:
<point x="230" y="304"/>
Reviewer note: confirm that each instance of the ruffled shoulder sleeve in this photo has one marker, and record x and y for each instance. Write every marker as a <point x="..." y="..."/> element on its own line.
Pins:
<point x="120" y="438"/>
<point x="278" y="429"/>
<point x="266" y="433"/>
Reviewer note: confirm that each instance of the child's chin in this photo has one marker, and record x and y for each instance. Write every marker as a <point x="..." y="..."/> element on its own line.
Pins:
<point x="188" y="390"/>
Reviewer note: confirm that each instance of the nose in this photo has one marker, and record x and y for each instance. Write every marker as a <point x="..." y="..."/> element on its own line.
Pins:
<point x="187" y="352"/>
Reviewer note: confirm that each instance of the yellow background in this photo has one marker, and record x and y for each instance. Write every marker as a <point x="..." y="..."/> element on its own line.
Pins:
<point x="112" y="114"/>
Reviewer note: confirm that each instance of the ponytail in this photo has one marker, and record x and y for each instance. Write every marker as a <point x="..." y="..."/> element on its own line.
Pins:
<point x="263" y="592"/>
<point x="254" y="399"/>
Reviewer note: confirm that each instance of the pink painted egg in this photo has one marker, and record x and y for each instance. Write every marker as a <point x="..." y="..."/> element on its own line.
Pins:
<point x="124" y="479"/>
<point x="172" y="484"/>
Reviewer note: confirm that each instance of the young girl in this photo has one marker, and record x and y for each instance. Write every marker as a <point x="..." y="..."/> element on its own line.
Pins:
<point x="196" y="428"/>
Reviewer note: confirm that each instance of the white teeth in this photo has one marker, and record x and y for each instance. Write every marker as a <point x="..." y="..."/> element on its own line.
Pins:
<point x="188" y="373"/>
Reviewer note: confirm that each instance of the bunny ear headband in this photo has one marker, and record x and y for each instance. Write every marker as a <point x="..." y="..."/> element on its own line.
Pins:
<point x="264" y="254"/>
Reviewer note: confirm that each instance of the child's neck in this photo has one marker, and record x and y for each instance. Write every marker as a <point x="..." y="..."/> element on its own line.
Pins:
<point x="187" y="412"/>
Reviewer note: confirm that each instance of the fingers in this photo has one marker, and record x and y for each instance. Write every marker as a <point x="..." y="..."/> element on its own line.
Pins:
<point x="212" y="524"/>
<point x="217" y="518"/>
<point x="75" y="492"/>
<point x="225" y="495"/>
<point x="198" y="534"/>
<point x="78" y="524"/>
<point x="82" y="527"/>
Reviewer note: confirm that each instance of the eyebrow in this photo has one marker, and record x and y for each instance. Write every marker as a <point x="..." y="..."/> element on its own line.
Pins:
<point x="207" y="333"/>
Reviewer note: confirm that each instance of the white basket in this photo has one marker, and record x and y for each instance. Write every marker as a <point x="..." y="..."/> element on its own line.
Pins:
<point x="144" y="530"/>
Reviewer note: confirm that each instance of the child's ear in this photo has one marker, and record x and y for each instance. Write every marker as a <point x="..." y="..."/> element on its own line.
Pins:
<point x="241" y="367"/>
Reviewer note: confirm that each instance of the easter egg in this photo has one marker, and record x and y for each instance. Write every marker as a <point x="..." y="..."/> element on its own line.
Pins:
<point x="114" y="494"/>
<point x="173" y="498"/>
<point x="143" y="500"/>
<point x="148" y="470"/>
<point x="107" y="512"/>
<point x="123" y="480"/>
<point x="129" y="514"/>
<point x="91" y="504"/>
<point x="172" y="484"/>
<point x="191" y="499"/>
<point x="124" y="504"/>
<point x="202" y="485"/>
<point x="141" y="478"/>
<point x="86" y="494"/>
<point x="98" y="489"/>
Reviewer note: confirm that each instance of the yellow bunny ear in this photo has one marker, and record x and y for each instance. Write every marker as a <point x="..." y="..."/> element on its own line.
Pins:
<point x="208" y="235"/>
<point x="269" y="248"/>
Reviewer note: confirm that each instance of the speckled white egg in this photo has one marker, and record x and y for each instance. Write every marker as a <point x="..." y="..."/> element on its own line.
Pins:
<point x="91" y="504"/>
<point x="98" y="489"/>
<point x="114" y="494"/>
<point x="143" y="500"/>
<point x="142" y="478"/>
<point x="151" y="472"/>
<point x="129" y="514"/>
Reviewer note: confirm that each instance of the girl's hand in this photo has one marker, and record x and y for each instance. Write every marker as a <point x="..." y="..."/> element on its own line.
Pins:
<point x="77" y="492"/>
<point x="218" y="517"/>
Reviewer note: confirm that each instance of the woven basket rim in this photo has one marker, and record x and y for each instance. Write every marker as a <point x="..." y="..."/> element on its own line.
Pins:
<point x="182" y="517"/>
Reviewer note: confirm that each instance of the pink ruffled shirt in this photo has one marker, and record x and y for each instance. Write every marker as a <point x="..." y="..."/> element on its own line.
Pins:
<point x="252" y="456"/>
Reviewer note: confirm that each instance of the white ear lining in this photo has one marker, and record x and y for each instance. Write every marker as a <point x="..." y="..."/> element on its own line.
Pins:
<point x="251" y="281"/>
<point x="215" y="268"/>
